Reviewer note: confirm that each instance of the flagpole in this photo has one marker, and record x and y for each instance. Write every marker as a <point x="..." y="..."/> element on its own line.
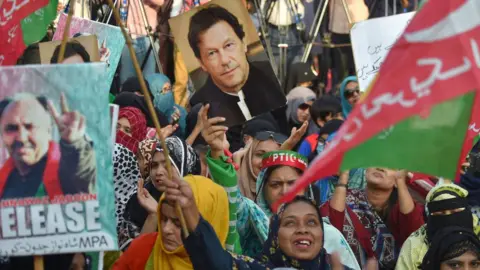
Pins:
<point x="38" y="262"/>
<point x="66" y="31"/>
<point x="151" y="109"/>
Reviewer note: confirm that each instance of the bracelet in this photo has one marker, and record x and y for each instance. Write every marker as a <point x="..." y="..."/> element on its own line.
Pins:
<point x="341" y="185"/>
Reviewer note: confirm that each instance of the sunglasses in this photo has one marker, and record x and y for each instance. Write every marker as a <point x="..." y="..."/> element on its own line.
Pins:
<point x="351" y="92"/>
<point x="267" y="135"/>
<point x="304" y="106"/>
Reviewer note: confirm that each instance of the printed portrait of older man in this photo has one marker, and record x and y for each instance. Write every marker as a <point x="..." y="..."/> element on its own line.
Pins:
<point x="37" y="165"/>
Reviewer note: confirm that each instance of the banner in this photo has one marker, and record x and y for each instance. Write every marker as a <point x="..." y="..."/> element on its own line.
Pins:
<point x="371" y="42"/>
<point x="56" y="190"/>
<point x="110" y="39"/>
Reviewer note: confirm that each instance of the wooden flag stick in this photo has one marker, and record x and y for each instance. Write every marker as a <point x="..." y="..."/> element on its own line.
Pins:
<point x="151" y="109"/>
<point x="66" y="31"/>
<point x="38" y="262"/>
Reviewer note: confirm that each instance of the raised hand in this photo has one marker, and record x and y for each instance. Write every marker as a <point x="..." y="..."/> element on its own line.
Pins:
<point x="145" y="199"/>
<point x="104" y="52"/>
<point x="295" y="136"/>
<point x="179" y="192"/>
<point x="71" y="125"/>
<point x="213" y="134"/>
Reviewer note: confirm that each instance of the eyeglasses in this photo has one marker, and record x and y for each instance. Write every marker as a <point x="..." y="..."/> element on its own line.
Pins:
<point x="304" y="106"/>
<point x="348" y="93"/>
<point x="267" y="135"/>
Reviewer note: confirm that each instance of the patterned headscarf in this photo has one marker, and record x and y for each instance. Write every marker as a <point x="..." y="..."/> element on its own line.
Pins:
<point x="183" y="157"/>
<point x="125" y="177"/>
<point x="138" y="127"/>
<point x="146" y="148"/>
<point x="272" y="253"/>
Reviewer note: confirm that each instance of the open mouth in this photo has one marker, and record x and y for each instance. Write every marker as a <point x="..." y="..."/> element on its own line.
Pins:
<point x="303" y="243"/>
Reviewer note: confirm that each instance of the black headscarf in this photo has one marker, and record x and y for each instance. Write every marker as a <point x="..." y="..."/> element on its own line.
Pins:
<point x="128" y="99"/>
<point x="448" y="243"/>
<point x="462" y="219"/>
<point x="273" y="256"/>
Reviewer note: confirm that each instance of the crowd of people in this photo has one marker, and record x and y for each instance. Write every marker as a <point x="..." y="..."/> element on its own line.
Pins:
<point x="207" y="203"/>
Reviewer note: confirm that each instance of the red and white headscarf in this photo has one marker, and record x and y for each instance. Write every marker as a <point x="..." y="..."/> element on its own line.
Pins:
<point x="138" y="128"/>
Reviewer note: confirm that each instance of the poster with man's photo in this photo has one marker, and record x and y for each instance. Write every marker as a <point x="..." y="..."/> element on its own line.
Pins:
<point x="110" y="39"/>
<point x="56" y="189"/>
<point x="226" y="61"/>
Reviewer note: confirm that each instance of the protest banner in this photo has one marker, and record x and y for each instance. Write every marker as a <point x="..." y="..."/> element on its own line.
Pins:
<point x="226" y="61"/>
<point x="110" y="39"/>
<point x="371" y="42"/>
<point x="56" y="190"/>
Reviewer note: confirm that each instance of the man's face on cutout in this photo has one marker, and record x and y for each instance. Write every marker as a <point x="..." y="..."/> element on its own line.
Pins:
<point x="223" y="56"/>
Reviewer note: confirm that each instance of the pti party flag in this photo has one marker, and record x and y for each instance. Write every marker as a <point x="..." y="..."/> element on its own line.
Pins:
<point x="23" y="22"/>
<point x="422" y="111"/>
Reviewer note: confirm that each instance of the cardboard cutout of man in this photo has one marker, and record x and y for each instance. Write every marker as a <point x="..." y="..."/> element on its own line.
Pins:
<point x="39" y="166"/>
<point x="236" y="88"/>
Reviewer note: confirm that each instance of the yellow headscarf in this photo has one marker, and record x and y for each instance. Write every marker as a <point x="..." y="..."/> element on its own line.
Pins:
<point x="212" y="203"/>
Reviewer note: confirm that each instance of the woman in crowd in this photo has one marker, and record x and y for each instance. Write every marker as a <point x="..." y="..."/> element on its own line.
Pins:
<point x="295" y="237"/>
<point x="446" y="206"/>
<point x="164" y="101"/>
<point x="452" y="248"/>
<point x="164" y="249"/>
<point x="349" y="94"/>
<point x="251" y="162"/>
<point x="252" y="222"/>
<point x="141" y="206"/>
<point x="298" y="111"/>
<point x="131" y="128"/>
<point x="376" y="221"/>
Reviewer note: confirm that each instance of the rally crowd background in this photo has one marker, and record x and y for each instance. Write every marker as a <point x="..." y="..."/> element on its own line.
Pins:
<point x="226" y="179"/>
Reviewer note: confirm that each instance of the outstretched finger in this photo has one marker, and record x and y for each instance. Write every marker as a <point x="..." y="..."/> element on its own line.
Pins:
<point x="53" y="111"/>
<point x="63" y="103"/>
<point x="204" y="114"/>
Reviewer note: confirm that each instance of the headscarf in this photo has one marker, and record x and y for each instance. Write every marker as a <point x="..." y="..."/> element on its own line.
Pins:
<point x="447" y="197"/>
<point x="165" y="102"/>
<point x="146" y="148"/>
<point x="247" y="178"/>
<point x="271" y="161"/>
<point x="300" y="92"/>
<point x="346" y="106"/>
<point x="212" y="203"/>
<point x="183" y="156"/>
<point x="127" y="99"/>
<point x="125" y="177"/>
<point x="292" y="107"/>
<point x="132" y="85"/>
<point x="450" y="242"/>
<point x="273" y="255"/>
<point x="138" y="128"/>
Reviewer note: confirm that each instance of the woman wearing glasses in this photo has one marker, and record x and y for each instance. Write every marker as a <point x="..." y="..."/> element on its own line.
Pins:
<point x="349" y="94"/>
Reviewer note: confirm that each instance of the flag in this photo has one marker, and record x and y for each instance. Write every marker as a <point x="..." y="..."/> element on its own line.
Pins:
<point x="422" y="111"/>
<point x="23" y="22"/>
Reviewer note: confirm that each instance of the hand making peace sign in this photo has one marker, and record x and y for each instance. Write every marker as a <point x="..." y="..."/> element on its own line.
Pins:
<point x="71" y="125"/>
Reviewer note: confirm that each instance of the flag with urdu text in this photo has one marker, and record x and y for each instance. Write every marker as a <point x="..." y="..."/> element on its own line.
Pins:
<point x="422" y="111"/>
<point x="23" y="22"/>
